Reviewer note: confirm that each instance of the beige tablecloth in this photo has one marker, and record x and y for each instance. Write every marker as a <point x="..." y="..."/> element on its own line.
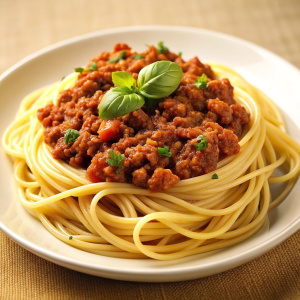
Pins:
<point x="27" y="26"/>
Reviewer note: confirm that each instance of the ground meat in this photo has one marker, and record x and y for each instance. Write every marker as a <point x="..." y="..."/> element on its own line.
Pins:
<point x="220" y="108"/>
<point x="240" y="113"/>
<point x="236" y="126"/>
<point x="140" y="177"/>
<point x="194" y="118"/>
<point x="172" y="108"/>
<point x="162" y="179"/>
<point x="139" y="155"/>
<point x="138" y="119"/>
<point x="174" y="122"/>
<point x="190" y="162"/>
<point x="221" y="89"/>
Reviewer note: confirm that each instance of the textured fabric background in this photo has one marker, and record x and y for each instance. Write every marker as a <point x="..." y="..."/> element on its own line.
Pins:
<point x="28" y="26"/>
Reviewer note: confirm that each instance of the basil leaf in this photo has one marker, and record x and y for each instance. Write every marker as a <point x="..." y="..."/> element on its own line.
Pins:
<point x="201" y="82"/>
<point x="123" y="79"/>
<point x="164" y="151"/>
<point x="159" y="79"/>
<point x="202" y="142"/>
<point x="71" y="135"/>
<point x="115" y="160"/>
<point x="118" y="102"/>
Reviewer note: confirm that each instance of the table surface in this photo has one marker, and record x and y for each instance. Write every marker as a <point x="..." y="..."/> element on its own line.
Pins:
<point x="28" y="26"/>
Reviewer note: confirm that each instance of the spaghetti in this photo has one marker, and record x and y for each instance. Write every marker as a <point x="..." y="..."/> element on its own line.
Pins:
<point x="195" y="215"/>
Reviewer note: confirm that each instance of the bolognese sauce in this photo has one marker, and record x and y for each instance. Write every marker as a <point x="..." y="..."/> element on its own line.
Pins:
<point x="173" y="124"/>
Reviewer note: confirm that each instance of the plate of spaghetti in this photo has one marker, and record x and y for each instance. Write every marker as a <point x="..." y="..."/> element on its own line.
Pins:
<point x="150" y="153"/>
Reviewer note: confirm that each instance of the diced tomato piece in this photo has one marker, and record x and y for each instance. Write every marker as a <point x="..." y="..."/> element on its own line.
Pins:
<point x="93" y="173"/>
<point x="93" y="178"/>
<point x="109" y="130"/>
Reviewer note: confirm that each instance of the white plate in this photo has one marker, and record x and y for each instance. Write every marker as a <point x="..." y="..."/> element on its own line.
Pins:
<point x="270" y="73"/>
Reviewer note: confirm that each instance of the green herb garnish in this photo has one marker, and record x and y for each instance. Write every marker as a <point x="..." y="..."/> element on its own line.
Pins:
<point x="159" y="80"/>
<point x="70" y="237"/>
<point x="123" y="79"/>
<point x="115" y="160"/>
<point x="119" y="102"/>
<point x="155" y="81"/>
<point x="180" y="54"/>
<point x="92" y="67"/>
<point x="164" y="151"/>
<point x="215" y="176"/>
<point x="118" y="58"/>
<point x="161" y="48"/>
<point x="202" y="142"/>
<point x="201" y="82"/>
<point x="138" y="56"/>
<point x="114" y="60"/>
<point x="79" y="70"/>
<point x="71" y="135"/>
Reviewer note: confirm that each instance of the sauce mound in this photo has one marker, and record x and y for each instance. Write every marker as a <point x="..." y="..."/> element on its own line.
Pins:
<point x="174" y="122"/>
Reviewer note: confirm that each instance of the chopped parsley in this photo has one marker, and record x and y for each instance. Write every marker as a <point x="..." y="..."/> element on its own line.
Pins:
<point x="79" y="70"/>
<point x="215" y="176"/>
<point x="161" y="48"/>
<point x="202" y="142"/>
<point x="164" y="151"/>
<point x="71" y="135"/>
<point x="70" y="237"/>
<point x="118" y="58"/>
<point x="92" y="67"/>
<point x="201" y="82"/>
<point x="114" y="60"/>
<point x="115" y="160"/>
<point x="138" y="56"/>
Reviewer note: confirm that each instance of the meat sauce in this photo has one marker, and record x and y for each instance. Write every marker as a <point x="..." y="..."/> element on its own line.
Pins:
<point x="176" y="122"/>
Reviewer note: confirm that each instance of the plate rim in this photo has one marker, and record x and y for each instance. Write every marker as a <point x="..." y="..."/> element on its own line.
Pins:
<point x="109" y="31"/>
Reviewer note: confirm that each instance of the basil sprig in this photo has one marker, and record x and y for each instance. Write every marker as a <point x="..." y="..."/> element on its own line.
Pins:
<point x="123" y="79"/>
<point x="157" y="80"/>
<point x="118" y="102"/>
